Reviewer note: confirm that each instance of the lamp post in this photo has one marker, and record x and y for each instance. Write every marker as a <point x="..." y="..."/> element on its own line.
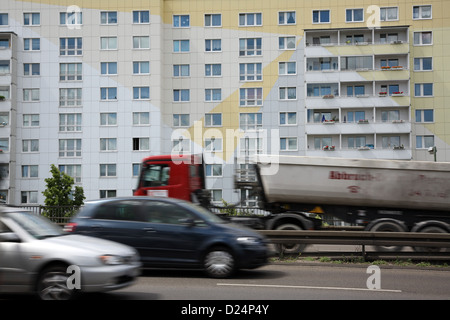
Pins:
<point x="433" y="150"/>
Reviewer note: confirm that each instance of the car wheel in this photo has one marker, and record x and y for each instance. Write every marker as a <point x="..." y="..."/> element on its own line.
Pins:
<point x="219" y="263"/>
<point x="52" y="284"/>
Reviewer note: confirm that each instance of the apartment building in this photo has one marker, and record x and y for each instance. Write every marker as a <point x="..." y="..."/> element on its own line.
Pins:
<point x="94" y="87"/>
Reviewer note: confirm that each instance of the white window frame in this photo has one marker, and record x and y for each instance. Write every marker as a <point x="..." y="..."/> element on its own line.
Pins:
<point x="141" y="118"/>
<point x="64" y="152"/>
<point x="142" y="143"/>
<point x="108" y="144"/>
<point x="67" y="76"/>
<point x="211" y="68"/>
<point x="66" y="100"/>
<point x="31" y="120"/>
<point x="140" y="42"/>
<point x="422" y="115"/>
<point x="65" y="126"/>
<point x="213" y="144"/>
<point x="284" y="15"/>
<point x="179" y="118"/>
<point x="421" y="95"/>
<point x="31" y="18"/>
<point x="212" y="45"/>
<point x="183" y="70"/>
<point x="179" y="23"/>
<point x="30" y="145"/>
<point x="139" y="16"/>
<point x="246" y="125"/>
<point x="250" y="52"/>
<point x="215" y="170"/>
<point x="246" y="18"/>
<point x="211" y="120"/>
<point x="31" y="95"/>
<point x="421" y="64"/>
<point x="286" y="117"/>
<point x="108" y="94"/>
<point x="287" y="142"/>
<point x="353" y="15"/>
<point x="257" y="75"/>
<point x="29" y="196"/>
<point x="284" y="93"/>
<point x="422" y="138"/>
<point x="30" y="41"/>
<point x="106" y="44"/>
<point x="421" y="38"/>
<point x="108" y="119"/>
<point x="30" y="171"/>
<point x="286" y="41"/>
<point x="140" y="64"/>
<point x="181" y="145"/>
<point x="180" y="95"/>
<point x="71" y="18"/>
<point x="107" y="170"/>
<point x="319" y="11"/>
<point x="139" y="90"/>
<point x="73" y="170"/>
<point x="386" y="15"/>
<point x="106" y="21"/>
<point x="421" y="13"/>
<point x="31" y="72"/>
<point x="211" y="94"/>
<point x="286" y="64"/>
<point x="211" y="15"/>
<point x="246" y="101"/>
<point x="180" y="42"/>
<point x="108" y="64"/>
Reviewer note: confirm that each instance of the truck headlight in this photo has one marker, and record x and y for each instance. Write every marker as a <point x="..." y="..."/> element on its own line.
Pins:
<point x="110" y="259"/>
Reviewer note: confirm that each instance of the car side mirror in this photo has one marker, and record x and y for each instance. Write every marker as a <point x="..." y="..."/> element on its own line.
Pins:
<point x="9" y="237"/>
<point x="188" y="222"/>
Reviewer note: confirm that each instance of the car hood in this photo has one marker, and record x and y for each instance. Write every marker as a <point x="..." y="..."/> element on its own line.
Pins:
<point x="95" y="245"/>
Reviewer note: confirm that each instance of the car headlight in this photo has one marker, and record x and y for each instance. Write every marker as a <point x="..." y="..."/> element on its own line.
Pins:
<point x="248" y="240"/>
<point x="110" y="259"/>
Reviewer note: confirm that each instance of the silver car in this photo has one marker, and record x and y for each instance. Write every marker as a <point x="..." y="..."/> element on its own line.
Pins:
<point x="37" y="256"/>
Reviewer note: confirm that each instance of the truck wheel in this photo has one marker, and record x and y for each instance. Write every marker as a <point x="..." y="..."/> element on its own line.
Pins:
<point x="289" y="248"/>
<point x="431" y="229"/>
<point x="219" y="263"/>
<point x="387" y="226"/>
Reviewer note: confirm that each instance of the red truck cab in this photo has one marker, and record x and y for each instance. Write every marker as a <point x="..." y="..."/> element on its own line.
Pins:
<point x="174" y="176"/>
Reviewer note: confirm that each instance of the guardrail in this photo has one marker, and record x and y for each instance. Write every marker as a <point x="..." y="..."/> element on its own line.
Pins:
<point x="434" y="242"/>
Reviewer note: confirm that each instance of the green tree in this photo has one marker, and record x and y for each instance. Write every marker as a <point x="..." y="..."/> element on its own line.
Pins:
<point x="58" y="193"/>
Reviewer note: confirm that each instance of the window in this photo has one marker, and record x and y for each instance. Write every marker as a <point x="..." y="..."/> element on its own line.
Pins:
<point x="140" y="144"/>
<point x="388" y="62"/>
<point x="141" y="93"/>
<point x="288" y="118"/>
<point x="389" y="14"/>
<point x="141" y="17"/>
<point x="30" y="120"/>
<point x="108" y="170"/>
<point x="355" y="116"/>
<point x="389" y="142"/>
<point x="288" y="93"/>
<point x="321" y="16"/>
<point x="354" y="15"/>
<point x="29" y="197"/>
<point x="390" y="115"/>
<point x="423" y="64"/>
<point x="72" y="170"/>
<point x="250" y="97"/>
<point x="288" y="144"/>
<point x="30" y="95"/>
<point x="213" y="45"/>
<point x="286" y="17"/>
<point x="108" y="43"/>
<point x="136" y="169"/>
<point x="250" y="121"/>
<point x="4" y="19"/>
<point x="286" y="43"/>
<point x="181" y="21"/>
<point x="4" y="67"/>
<point x="423" y="38"/>
<point x="321" y="142"/>
<point x="4" y="144"/>
<point x="108" y="17"/>
<point x="287" y="68"/>
<point x="141" y="67"/>
<point x="322" y="89"/>
<point x="250" y="19"/>
<point x="181" y="46"/>
<point x="213" y="95"/>
<point x="250" y="71"/>
<point x="108" y="119"/>
<point x="423" y="90"/>
<point x="213" y="70"/>
<point x="70" y="97"/>
<point x="141" y="118"/>
<point x="4" y="43"/>
<point x="422" y="12"/>
<point x="70" y="71"/>
<point x="108" y="144"/>
<point x="213" y="170"/>
<point x="69" y="148"/>
<point x="30" y="145"/>
<point x="32" y="44"/>
<point x="355" y="142"/>
<point x="4" y="119"/>
<point x="71" y="18"/>
<point x="216" y="196"/>
<point x="107" y="194"/>
<point x="181" y="120"/>
<point x="213" y="120"/>
<point x="108" y="68"/>
<point x="181" y="145"/>
<point x="181" y="95"/>
<point x="250" y="47"/>
<point x="141" y="42"/>
<point x="70" y="122"/>
<point x="425" y="115"/>
<point x="213" y="20"/>
<point x="31" y="69"/>
<point x="213" y="144"/>
<point x="108" y="93"/>
<point x="30" y="171"/>
<point x="354" y="63"/>
<point x="355" y="91"/>
<point x="181" y="70"/>
<point x="388" y="38"/>
<point x="424" y="142"/>
<point x="32" y="19"/>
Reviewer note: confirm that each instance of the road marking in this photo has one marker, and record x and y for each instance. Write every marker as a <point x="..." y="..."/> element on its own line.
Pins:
<point x="305" y="287"/>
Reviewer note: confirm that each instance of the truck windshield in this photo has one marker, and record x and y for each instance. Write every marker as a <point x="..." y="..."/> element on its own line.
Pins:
<point x="155" y="175"/>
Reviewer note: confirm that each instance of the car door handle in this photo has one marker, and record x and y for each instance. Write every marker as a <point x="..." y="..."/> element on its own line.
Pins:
<point x="149" y="230"/>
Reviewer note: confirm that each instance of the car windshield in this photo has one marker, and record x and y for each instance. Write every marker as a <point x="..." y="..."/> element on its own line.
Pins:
<point x="37" y="226"/>
<point x="206" y="214"/>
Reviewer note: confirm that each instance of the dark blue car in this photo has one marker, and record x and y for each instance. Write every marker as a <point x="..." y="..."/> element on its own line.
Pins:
<point x="173" y="233"/>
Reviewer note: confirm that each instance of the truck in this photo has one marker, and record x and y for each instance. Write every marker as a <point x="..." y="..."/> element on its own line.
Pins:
<point x="373" y="194"/>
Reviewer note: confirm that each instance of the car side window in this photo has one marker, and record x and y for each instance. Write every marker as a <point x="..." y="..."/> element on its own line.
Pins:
<point x="163" y="212"/>
<point x="4" y="228"/>
<point x="127" y="210"/>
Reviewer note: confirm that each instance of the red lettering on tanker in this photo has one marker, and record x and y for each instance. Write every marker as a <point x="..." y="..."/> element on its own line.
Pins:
<point x="336" y="175"/>
<point x="354" y="189"/>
